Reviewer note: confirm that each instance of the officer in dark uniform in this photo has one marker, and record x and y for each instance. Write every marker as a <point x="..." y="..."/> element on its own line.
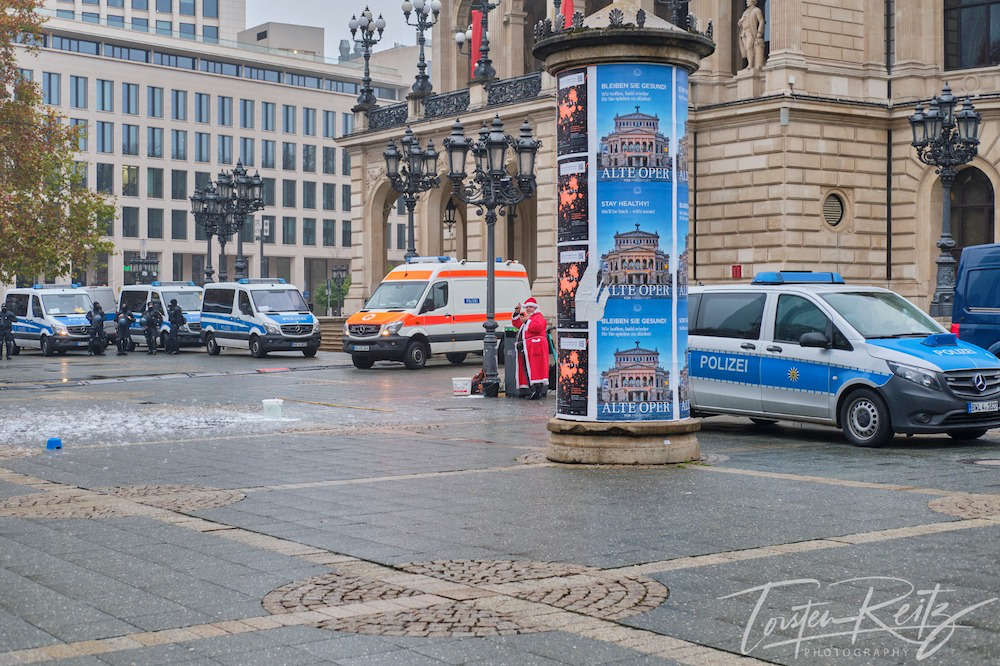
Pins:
<point x="7" y="320"/>
<point x="97" y="343"/>
<point x="124" y="321"/>
<point x="152" y="319"/>
<point x="175" y="317"/>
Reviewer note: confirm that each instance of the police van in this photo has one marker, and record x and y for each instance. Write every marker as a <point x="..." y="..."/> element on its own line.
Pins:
<point x="262" y="315"/>
<point x="431" y="305"/>
<point x="188" y="295"/>
<point x="807" y="347"/>
<point x="105" y="295"/>
<point x="52" y="318"/>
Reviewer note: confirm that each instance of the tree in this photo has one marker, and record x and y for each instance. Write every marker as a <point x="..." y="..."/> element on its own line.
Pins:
<point x="335" y="298"/>
<point x="50" y="223"/>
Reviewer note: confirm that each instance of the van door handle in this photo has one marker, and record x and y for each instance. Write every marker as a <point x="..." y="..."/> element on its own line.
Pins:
<point x="774" y="348"/>
<point x="748" y="345"/>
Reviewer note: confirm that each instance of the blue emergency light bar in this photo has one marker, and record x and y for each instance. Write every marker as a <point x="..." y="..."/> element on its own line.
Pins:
<point x="261" y="280"/>
<point x="72" y="285"/>
<point x="179" y="283"/>
<point x="797" y="277"/>
<point x="430" y="260"/>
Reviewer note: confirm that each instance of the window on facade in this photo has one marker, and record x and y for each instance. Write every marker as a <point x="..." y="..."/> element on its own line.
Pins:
<point x="136" y="4"/>
<point x="309" y="158"/>
<point x="71" y="15"/>
<point x="51" y="84"/>
<point x="130" y="139"/>
<point x="972" y="203"/>
<point x="226" y="111"/>
<point x="246" y="113"/>
<point x="329" y="160"/>
<point x="308" y="231"/>
<point x="80" y="174"/>
<point x="178" y="225"/>
<point x="266" y="154"/>
<point x="345" y="163"/>
<point x="202" y="179"/>
<point x="179" y="104"/>
<point x="267" y="116"/>
<point x="400" y="206"/>
<point x="130" y="98"/>
<point x="186" y="31"/>
<point x="309" y="122"/>
<point x="345" y="198"/>
<point x="185" y="7"/>
<point x="105" y="137"/>
<point x="130" y="222"/>
<point x="81" y="139"/>
<point x="288" y="230"/>
<point x="202" y="147"/>
<point x="105" y="95"/>
<point x="329" y="196"/>
<point x="116" y="21"/>
<point x="210" y="8"/>
<point x="140" y="24"/>
<point x="78" y="92"/>
<point x="154" y="142"/>
<point x="345" y="233"/>
<point x="288" y="119"/>
<point x="308" y="194"/>
<point x="154" y="102"/>
<point x="165" y="6"/>
<point x="130" y="181"/>
<point x="347" y="123"/>
<point x="154" y="223"/>
<point x="116" y="3"/>
<point x="154" y="183"/>
<point x="288" y="193"/>
<point x="288" y="156"/>
<point x="246" y="151"/>
<point x="202" y="110"/>
<point x="400" y="236"/>
<point x="267" y="191"/>
<point x="330" y="124"/>
<point x="971" y="33"/>
<point x="225" y="149"/>
<point x="106" y="178"/>
<point x="178" y="144"/>
<point x="164" y="28"/>
<point x="329" y="233"/>
<point x="178" y="184"/>
<point x="210" y="34"/>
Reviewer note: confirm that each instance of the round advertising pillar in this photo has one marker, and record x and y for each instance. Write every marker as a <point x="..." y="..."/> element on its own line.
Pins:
<point x="622" y="388"/>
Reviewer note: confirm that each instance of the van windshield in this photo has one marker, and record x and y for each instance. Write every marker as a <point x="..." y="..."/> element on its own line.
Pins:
<point x="188" y="301"/>
<point x="278" y="300"/>
<point x="56" y="304"/>
<point x="877" y="314"/>
<point x="401" y="295"/>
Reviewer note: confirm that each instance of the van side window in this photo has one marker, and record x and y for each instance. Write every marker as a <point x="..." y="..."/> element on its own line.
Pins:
<point x="218" y="301"/>
<point x="437" y="298"/>
<point x="18" y="304"/>
<point x="694" y="300"/>
<point x="36" y="306"/>
<point x="797" y="316"/>
<point x="983" y="289"/>
<point x="730" y="315"/>
<point x="157" y="303"/>
<point x="135" y="301"/>
<point x="245" y="304"/>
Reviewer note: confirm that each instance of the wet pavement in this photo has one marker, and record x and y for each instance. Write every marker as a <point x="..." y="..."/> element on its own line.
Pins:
<point x="380" y="520"/>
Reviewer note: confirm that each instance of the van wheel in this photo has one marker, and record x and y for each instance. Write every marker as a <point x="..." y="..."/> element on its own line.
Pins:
<point x="310" y="352"/>
<point x="162" y="342"/>
<point x="362" y="362"/>
<point x="211" y="346"/>
<point x="415" y="356"/>
<point x="967" y="435"/>
<point x="256" y="348"/>
<point x="864" y="419"/>
<point x="130" y="345"/>
<point x="46" y="346"/>
<point x="456" y="358"/>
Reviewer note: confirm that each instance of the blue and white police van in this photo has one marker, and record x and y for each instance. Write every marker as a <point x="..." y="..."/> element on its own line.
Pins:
<point x="262" y="315"/>
<point x="806" y="346"/>
<point x="188" y="295"/>
<point x="52" y="318"/>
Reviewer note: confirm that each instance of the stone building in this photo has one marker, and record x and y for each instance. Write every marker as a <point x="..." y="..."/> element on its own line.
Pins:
<point x="801" y="161"/>
<point x="635" y="377"/>
<point x="635" y="141"/>
<point x="636" y="259"/>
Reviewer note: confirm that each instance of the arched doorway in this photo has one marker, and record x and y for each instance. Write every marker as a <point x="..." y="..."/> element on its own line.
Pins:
<point x="972" y="210"/>
<point x="382" y="203"/>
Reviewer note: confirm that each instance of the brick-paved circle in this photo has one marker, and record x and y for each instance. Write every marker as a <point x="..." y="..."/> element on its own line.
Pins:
<point x="329" y="590"/>
<point x="453" y="619"/>
<point x="473" y="572"/>
<point x="610" y="599"/>
<point x="967" y="505"/>
<point x="177" y="497"/>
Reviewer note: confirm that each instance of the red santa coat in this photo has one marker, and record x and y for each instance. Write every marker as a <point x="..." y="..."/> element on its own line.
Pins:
<point x="533" y="361"/>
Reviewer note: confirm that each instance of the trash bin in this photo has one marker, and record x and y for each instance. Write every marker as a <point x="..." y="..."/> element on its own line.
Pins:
<point x="510" y="362"/>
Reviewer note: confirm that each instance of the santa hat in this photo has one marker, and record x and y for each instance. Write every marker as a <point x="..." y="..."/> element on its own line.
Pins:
<point x="531" y="301"/>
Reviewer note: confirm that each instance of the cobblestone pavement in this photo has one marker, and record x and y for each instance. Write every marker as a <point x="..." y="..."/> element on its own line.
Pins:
<point x="382" y="521"/>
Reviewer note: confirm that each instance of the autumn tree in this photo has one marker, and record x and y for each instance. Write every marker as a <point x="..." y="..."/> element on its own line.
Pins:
<point x="50" y="223"/>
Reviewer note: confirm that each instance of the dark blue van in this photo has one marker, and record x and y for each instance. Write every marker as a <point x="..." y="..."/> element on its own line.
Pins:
<point x="976" y="312"/>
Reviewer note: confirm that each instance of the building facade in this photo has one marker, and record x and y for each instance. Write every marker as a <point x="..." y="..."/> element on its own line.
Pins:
<point x="164" y="114"/>
<point x="635" y="141"/>
<point x="635" y="377"/>
<point x="636" y="259"/>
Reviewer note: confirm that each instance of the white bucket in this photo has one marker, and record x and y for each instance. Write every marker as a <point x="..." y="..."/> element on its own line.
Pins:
<point x="461" y="385"/>
<point x="272" y="408"/>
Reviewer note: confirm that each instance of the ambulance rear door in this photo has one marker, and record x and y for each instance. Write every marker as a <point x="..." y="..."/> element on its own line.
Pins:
<point x="469" y="309"/>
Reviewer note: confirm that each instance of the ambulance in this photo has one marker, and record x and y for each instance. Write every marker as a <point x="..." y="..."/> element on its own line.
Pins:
<point x="52" y="318"/>
<point x="804" y="346"/>
<point x="431" y="305"/>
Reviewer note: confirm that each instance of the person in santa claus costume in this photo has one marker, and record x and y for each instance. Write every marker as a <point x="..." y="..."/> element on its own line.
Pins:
<point x="532" y="349"/>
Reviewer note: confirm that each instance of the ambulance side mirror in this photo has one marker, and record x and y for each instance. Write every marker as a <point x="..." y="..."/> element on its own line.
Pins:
<point x="814" y="339"/>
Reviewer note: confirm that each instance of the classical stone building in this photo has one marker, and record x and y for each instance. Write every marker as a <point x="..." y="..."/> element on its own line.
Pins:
<point x="635" y="377"/>
<point x="636" y="259"/>
<point x="635" y="141"/>
<point x="802" y="162"/>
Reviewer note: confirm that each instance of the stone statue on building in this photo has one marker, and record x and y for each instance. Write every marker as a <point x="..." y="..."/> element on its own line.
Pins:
<point x="750" y="30"/>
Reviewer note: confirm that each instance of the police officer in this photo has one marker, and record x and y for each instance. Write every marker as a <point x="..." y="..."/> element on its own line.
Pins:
<point x="175" y="317"/>
<point x="7" y="320"/>
<point x="97" y="343"/>
<point x="124" y="321"/>
<point x="152" y="319"/>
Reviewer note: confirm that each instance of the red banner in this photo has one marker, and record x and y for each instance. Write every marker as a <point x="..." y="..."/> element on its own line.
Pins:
<point x="567" y="12"/>
<point x="477" y="40"/>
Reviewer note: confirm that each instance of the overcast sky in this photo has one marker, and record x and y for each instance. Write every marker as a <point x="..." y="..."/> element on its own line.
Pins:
<point x="333" y="16"/>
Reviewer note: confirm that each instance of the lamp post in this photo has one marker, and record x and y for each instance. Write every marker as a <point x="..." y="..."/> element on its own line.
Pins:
<point x="337" y="277"/>
<point x="371" y="29"/>
<point x="221" y="209"/>
<point x="427" y="13"/>
<point x="201" y="207"/>
<point x="412" y="171"/>
<point x="946" y="140"/>
<point x="246" y="199"/>
<point x="450" y="216"/>
<point x="491" y="186"/>
<point x="483" y="71"/>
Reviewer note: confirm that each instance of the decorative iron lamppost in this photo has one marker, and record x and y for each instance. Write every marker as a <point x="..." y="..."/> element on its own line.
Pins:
<point x="428" y="12"/>
<point x="483" y="71"/>
<point x="246" y="200"/>
<point x="221" y="209"/>
<point x="337" y="277"/>
<point x="491" y="187"/>
<point x="369" y="26"/>
<point x="412" y="171"/>
<point x="203" y="202"/>
<point x="946" y="140"/>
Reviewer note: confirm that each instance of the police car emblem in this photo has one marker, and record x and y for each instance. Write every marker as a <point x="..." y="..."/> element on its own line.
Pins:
<point x="793" y="375"/>
<point x="980" y="383"/>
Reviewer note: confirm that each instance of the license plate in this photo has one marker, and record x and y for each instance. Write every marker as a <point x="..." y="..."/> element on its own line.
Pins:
<point x="298" y="344"/>
<point x="984" y="407"/>
<point x="362" y="348"/>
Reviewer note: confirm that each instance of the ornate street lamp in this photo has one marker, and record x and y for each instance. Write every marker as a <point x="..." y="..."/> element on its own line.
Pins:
<point x="201" y="206"/>
<point x="371" y="29"/>
<point x="411" y="172"/>
<point x="450" y="213"/>
<point x="483" y="71"/>
<point x="221" y="209"/>
<point x="491" y="186"/>
<point x="427" y="13"/>
<point x="337" y="277"/>
<point x="946" y="140"/>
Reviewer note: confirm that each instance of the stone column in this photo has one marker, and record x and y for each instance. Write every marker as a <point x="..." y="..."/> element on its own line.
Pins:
<point x="785" y="60"/>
